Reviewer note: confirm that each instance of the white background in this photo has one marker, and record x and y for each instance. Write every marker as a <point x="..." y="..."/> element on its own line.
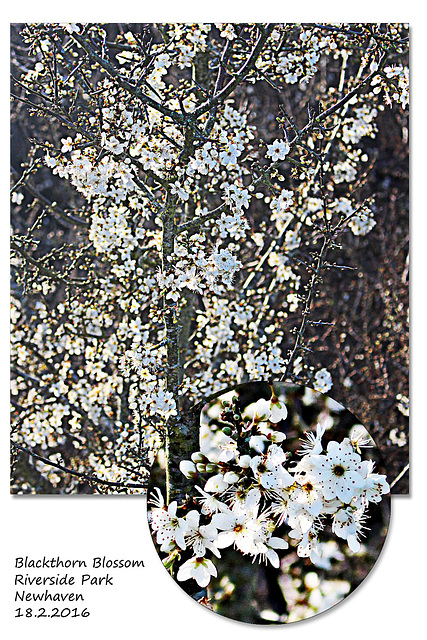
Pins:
<point x="390" y="602"/>
<point x="148" y="600"/>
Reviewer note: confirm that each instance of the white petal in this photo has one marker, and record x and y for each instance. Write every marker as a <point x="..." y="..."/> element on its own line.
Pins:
<point x="225" y="539"/>
<point x="273" y="557"/>
<point x="277" y="543"/>
<point x="193" y="518"/>
<point x="353" y="543"/>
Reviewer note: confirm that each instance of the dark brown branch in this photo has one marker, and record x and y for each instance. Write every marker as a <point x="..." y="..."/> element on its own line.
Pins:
<point x="68" y="217"/>
<point x="244" y="70"/>
<point x="307" y="307"/>
<point x="133" y="90"/>
<point x="48" y="272"/>
<point x="78" y="474"/>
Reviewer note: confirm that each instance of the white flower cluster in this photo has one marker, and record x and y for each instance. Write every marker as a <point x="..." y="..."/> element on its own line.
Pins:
<point x="191" y="39"/>
<point x="280" y="206"/>
<point x="156" y="401"/>
<point x="225" y="265"/>
<point x="196" y="270"/>
<point x="144" y="359"/>
<point x="344" y="171"/>
<point x="395" y="86"/>
<point x="226" y="30"/>
<point x="362" y="123"/>
<point x="260" y="363"/>
<point x="108" y="178"/>
<point x="301" y="64"/>
<point x="245" y="490"/>
<point x="126" y="158"/>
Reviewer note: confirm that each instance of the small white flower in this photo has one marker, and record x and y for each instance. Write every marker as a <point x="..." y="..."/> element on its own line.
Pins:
<point x="312" y="443"/>
<point x="265" y="548"/>
<point x="322" y="381"/>
<point x="67" y="144"/>
<point x="272" y="544"/>
<point x="227" y="31"/>
<point x="272" y="410"/>
<point x="201" y="569"/>
<point x="278" y="150"/>
<point x="71" y="27"/>
<point x="268" y="469"/>
<point x="339" y="473"/>
<point x="347" y="524"/>
<point x="236" y="529"/>
<point x="362" y="223"/>
<point x="169" y="527"/>
<point x="309" y="546"/>
<point x="228" y="450"/>
<point x="178" y="189"/>
<point x="17" y="198"/>
<point x="261" y="409"/>
<point x="201" y="537"/>
<point x="374" y="488"/>
<point x="278" y="410"/>
<point x="210" y="504"/>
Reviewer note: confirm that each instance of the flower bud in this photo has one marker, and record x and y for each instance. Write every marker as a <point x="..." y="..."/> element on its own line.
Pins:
<point x="170" y="559"/>
<point x="198" y="456"/>
<point x="231" y="477"/>
<point x="188" y="468"/>
<point x="211" y="467"/>
<point x="244" y="461"/>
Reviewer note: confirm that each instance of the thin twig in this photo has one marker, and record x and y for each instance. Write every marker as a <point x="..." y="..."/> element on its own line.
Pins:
<point x="401" y="474"/>
<point x="307" y="308"/>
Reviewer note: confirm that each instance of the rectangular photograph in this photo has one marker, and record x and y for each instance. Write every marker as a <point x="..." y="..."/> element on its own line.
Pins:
<point x="194" y="207"/>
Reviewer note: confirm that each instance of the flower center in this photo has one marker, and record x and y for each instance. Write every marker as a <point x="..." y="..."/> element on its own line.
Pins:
<point x="338" y="470"/>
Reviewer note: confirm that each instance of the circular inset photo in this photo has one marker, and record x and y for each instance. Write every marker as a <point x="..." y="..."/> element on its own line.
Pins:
<point x="280" y="514"/>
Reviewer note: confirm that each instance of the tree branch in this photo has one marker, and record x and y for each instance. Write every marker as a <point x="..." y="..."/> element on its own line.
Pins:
<point x="244" y="70"/>
<point x="78" y="474"/>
